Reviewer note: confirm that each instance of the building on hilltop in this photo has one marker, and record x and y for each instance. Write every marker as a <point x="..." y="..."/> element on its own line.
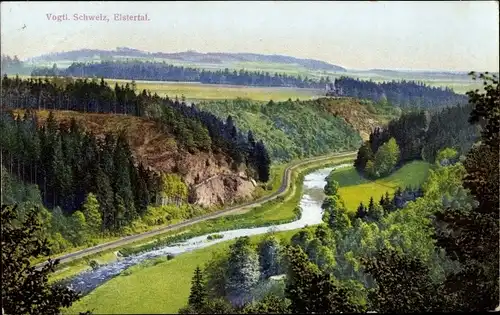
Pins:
<point x="333" y="90"/>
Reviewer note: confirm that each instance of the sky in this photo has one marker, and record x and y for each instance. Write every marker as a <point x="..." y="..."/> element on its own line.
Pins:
<point x="455" y="36"/>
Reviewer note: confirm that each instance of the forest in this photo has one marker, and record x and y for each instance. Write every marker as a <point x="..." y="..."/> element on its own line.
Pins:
<point x="195" y="129"/>
<point x="90" y="186"/>
<point x="67" y="164"/>
<point x="85" y="187"/>
<point x="416" y="135"/>
<point x="398" y="93"/>
<point x="430" y="249"/>
<point x="156" y="71"/>
<point x="289" y="129"/>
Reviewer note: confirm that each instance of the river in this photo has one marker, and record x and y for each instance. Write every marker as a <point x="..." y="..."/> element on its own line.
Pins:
<point x="311" y="214"/>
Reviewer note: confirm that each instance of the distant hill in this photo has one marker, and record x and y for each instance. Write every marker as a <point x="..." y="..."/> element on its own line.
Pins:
<point x="299" y="129"/>
<point x="187" y="56"/>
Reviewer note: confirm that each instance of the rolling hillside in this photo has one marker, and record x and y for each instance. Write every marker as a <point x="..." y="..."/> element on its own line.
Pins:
<point x="187" y="56"/>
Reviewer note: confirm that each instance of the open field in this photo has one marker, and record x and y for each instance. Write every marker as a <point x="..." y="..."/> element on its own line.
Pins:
<point x="149" y="288"/>
<point x="355" y="189"/>
<point x="194" y="91"/>
<point x="198" y="91"/>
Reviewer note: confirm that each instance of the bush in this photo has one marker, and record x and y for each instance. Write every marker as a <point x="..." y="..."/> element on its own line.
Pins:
<point x="214" y="237"/>
<point x="94" y="264"/>
<point x="385" y="160"/>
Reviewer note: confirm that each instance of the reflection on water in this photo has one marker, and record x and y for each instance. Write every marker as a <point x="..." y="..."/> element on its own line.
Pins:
<point x="312" y="213"/>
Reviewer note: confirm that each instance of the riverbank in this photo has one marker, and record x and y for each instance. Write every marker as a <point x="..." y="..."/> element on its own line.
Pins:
<point x="278" y="211"/>
<point x="164" y="284"/>
<point x="169" y="279"/>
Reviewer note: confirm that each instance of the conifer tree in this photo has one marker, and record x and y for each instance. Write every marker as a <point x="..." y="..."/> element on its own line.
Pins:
<point x="371" y="205"/>
<point x="243" y="272"/>
<point x="361" y="212"/>
<point x="269" y="257"/>
<point x="92" y="214"/>
<point x="198" y="295"/>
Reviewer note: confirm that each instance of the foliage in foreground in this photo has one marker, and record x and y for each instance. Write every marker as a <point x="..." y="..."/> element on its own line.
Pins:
<point x="25" y="290"/>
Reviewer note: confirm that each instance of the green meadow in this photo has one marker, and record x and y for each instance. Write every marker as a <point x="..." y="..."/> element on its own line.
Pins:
<point x="355" y="189"/>
<point x="157" y="286"/>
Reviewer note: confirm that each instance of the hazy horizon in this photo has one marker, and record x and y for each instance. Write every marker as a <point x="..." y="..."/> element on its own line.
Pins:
<point x="418" y="36"/>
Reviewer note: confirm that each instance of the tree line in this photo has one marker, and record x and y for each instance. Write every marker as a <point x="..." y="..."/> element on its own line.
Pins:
<point x="195" y="129"/>
<point x="416" y="135"/>
<point x="156" y="71"/>
<point x="13" y="65"/>
<point x="398" y="93"/>
<point x="374" y="212"/>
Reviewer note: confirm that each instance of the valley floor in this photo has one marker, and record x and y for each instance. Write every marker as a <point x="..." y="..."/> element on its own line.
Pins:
<point x="271" y="212"/>
<point x="164" y="286"/>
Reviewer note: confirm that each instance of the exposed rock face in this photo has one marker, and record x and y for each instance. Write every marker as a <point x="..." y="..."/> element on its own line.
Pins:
<point x="222" y="189"/>
<point x="354" y="114"/>
<point x="209" y="175"/>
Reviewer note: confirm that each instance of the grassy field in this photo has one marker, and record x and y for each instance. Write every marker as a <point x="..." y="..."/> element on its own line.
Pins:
<point x="197" y="91"/>
<point x="355" y="189"/>
<point x="152" y="289"/>
<point x="194" y="92"/>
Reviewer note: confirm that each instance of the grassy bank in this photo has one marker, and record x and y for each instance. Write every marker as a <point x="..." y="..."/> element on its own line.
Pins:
<point x="161" y="287"/>
<point x="355" y="189"/>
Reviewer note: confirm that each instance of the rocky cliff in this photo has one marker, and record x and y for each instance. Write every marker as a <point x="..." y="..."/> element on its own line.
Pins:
<point x="209" y="175"/>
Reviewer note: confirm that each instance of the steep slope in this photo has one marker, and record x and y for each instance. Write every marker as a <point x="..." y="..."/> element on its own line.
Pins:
<point x="354" y="113"/>
<point x="209" y="175"/>
<point x="297" y="129"/>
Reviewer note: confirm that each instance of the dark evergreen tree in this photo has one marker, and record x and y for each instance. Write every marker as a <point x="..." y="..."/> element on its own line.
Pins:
<point x="403" y="285"/>
<point x="472" y="236"/>
<point x="263" y="161"/>
<point x="371" y="205"/>
<point x="25" y="290"/>
<point x="382" y="201"/>
<point x="361" y="212"/>
<point x="198" y="295"/>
